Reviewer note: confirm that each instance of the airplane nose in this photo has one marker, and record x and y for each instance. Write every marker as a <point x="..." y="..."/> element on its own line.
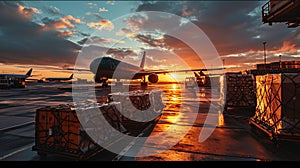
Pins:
<point x="95" y="64"/>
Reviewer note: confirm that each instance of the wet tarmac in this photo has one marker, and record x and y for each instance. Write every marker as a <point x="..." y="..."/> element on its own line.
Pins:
<point x="183" y="132"/>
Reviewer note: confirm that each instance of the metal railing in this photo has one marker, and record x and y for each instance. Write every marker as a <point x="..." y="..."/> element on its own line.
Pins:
<point x="265" y="10"/>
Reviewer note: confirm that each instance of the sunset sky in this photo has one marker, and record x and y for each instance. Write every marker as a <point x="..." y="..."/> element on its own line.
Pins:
<point x="50" y="35"/>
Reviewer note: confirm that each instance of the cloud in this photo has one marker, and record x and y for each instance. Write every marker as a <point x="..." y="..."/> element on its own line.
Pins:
<point x="233" y="27"/>
<point x="66" y="33"/>
<point x="125" y="32"/>
<point x="103" y="24"/>
<point x="65" y="22"/>
<point x="51" y="24"/>
<point x="71" y="19"/>
<point x="92" y="5"/>
<point x="110" y="2"/>
<point x="119" y="53"/>
<point x="103" y="10"/>
<point x="150" y="41"/>
<point x="52" y="10"/>
<point x="27" y="11"/>
<point x="25" y="42"/>
<point x="16" y="10"/>
<point x="98" y="41"/>
<point x="136" y="22"/>
<point x="91" y="52"/>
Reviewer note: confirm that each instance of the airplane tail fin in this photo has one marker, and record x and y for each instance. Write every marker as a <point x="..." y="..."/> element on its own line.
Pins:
<point x="29" y="72"/>
<point x="71" y="77"/>
<point x="196" y="75"/>
<point x="201" y="73"/>
<point x="143" y="60"/>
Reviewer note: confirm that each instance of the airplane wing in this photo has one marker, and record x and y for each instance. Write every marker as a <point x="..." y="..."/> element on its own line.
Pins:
<point x="148" y="72"/>
<point x="77" y="69"/>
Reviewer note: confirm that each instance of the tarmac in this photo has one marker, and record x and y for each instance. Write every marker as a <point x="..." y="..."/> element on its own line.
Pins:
<point x="183" y="133"/>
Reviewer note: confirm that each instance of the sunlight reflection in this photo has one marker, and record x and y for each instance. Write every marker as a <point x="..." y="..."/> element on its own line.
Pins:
<point x="221" y="118"/>
<point x="175" y="86"/>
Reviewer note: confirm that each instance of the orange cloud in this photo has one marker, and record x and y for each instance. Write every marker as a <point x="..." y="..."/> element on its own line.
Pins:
<point x="60" y="24"/>
<point x="136" y="22"/>
<point x="103" y="24"/>
<point x="287" y="47"/>
<point x="70" y="18"/>
<point x="66" y="33"/>
<point x="188" y="12"/>
<point x="28" y="12"/>
<point x="65" y="22"/>
<point x="126" y="32"/>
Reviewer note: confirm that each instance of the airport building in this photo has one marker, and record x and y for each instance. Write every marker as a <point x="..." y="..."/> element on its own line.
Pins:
<point x="276" y="67"/>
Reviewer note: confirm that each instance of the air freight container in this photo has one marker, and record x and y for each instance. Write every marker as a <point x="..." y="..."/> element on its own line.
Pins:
<point x="58" y="129"/>
<point x="278" y="107"/>
<point x="238" y="90"/>
<point x="139" y="105"/>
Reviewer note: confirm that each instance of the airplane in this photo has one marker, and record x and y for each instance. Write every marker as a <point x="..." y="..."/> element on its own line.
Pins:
<point x="59" y="79"/>
<point x="205" y="79"/>
<point x="105" y="68"/>
<point x="14" y="80"/>
<point x="17" y="76"/>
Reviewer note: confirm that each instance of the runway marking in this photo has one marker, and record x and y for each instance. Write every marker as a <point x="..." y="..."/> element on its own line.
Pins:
<point x="16" y="126"/>
<point x="15" y="152"/>
<point x="131" y="144"/>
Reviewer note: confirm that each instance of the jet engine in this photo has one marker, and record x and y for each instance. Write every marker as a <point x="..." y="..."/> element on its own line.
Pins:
<point x="153" y="78"/>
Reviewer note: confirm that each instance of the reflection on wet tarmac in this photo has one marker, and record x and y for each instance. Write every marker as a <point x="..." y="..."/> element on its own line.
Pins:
<point x="184" y="115"/>
<point x="221" y="118"/>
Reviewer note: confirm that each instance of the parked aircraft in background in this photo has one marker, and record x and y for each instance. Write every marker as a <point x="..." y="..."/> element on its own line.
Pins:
<point x="19" y="76"/>
<point x="14" y="80"/>
<point x="53" y="79"/>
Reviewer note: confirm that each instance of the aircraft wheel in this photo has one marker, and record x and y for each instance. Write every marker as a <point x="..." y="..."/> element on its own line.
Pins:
<point x="104" y="84"/>
<point x="144" y="84"/>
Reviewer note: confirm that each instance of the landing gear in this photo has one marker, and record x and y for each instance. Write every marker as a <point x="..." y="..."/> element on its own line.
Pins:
<point x="119" y="83"/>
<point x="104" y="84"/>
<point x="144" y="83"/>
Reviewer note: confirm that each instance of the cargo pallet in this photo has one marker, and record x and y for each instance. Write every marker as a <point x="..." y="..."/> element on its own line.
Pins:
<point x="59" y="132"/>
<point x="278" y="109"/>
<point x="43" y="151"/>
<point x="273" y="135"/>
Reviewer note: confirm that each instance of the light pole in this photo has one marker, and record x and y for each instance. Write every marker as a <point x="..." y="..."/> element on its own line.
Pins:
<point x="265" y="57"/>
<point x="280" y="65"/>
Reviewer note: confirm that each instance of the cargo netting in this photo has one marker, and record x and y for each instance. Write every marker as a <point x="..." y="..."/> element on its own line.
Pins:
<point x="278" y="107"/>
<point x="59" y="129"/>
<point x="239" y="90"/>
<point x="139" y="105"/>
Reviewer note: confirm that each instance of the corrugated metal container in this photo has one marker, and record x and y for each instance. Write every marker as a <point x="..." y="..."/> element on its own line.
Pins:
<point x="278" y="106"/>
